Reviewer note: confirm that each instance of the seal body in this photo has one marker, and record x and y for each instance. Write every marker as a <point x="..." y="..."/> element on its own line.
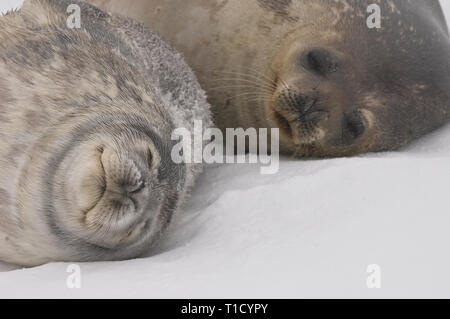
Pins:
<point x="334" y="85"/>
<point x="85" y="137"/>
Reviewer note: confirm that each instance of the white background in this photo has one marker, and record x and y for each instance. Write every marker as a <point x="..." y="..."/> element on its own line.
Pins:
<point x="309" y="231"/>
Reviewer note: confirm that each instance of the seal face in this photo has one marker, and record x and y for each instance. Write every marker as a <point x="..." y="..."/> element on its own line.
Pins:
<point x="85" y="136"/>
<point x="315" y="69"/>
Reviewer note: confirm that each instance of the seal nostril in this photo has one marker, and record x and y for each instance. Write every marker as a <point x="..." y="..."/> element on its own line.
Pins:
<point x="319" y="61"/>
<point x="353" y="126"/>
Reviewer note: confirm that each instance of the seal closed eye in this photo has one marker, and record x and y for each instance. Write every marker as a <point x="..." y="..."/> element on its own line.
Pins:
<point x="86" y="120"/>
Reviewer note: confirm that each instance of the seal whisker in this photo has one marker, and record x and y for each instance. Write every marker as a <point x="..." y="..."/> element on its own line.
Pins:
<point x="255" y="95"/>
<point x="252" y="94"/>
<point x="249" y="84"/>
<point x="241" y="87"/>
<point x="93" y="111"/>
<point x="258" y="77"/>
<point x="249" y="78"/>
<point x="318" y="49"/>
<point x="264" y="76"/>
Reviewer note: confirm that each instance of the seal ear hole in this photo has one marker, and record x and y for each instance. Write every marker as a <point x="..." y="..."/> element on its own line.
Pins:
<point x="319" y="61"/>
<point x="353" y="126"/>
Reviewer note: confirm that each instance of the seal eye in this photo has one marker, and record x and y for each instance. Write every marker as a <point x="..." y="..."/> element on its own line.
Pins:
<point x="353" y="126"/>
<point x="319" y="61"/>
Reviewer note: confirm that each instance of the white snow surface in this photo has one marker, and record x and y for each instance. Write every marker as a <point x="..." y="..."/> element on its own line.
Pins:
<point x="309" y="231"/>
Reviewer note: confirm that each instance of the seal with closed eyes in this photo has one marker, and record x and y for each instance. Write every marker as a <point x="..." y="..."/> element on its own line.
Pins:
<point x="316" y="69"/>
<point x="86" y="118"/>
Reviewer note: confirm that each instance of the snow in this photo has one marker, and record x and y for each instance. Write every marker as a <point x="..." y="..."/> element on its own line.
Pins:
<point x="309" y="231"/>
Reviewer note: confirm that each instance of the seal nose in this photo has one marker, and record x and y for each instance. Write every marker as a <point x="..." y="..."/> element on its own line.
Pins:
<point x="123" y="176"/>
<point x="319" y="61"/>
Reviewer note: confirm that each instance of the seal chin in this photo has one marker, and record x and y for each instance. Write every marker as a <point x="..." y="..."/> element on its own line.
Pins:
<point x="111" y="187"/>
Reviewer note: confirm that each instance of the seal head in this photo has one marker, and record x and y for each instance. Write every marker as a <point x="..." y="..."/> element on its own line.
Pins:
<point x="357" y="89"/>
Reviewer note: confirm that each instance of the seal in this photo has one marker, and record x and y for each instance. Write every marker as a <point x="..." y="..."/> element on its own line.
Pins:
<point x="86" y="119"/>
<point x="332" y="83"/>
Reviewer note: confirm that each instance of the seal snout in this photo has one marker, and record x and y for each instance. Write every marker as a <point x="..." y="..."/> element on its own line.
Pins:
<point x="296" y="113"/>
<point x="113" y="188"/>
<point x="109" y="180"/>
<point x="125" y="180"/>
<point x="307" y="119"/>
<point x="316" y="104"/>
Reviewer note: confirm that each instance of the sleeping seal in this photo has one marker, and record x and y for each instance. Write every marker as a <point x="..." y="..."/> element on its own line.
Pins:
<point x="85" y="138"/>
<point x="333" y="84"/>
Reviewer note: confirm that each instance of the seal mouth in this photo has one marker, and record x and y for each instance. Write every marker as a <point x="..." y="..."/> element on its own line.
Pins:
<point x="297" y="116"/>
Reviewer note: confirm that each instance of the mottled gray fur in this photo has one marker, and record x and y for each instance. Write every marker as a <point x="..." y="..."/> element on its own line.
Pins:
<point x="63" y="94"/>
